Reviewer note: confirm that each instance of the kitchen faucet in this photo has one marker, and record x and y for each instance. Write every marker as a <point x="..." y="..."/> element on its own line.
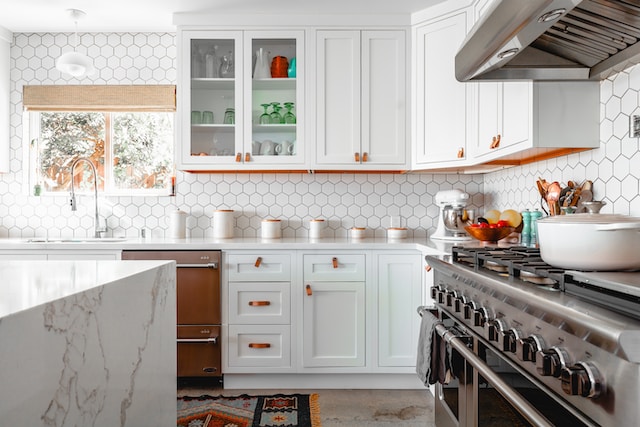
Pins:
<point x="72" y="201"/>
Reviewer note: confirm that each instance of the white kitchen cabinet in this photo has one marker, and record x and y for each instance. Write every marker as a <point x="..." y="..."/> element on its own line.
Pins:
<point x="443" y="107"/>
<point x="333" y="319"/>
<point x="206" y="88"/>
<point x="399" y="293"/>
<point x="524" y="119"/>
<point x="257" y="316"/>
<point x="361" y="100"/>
<point x="5" y="62"/>
<point x="60" y="254"/>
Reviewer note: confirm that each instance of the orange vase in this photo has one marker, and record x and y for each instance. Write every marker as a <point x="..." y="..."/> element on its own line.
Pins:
<point x="279" y="67"/>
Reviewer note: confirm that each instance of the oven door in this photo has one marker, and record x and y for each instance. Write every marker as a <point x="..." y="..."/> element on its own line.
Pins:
<point x="199" y="351"/>
<point x="490" y="391"/>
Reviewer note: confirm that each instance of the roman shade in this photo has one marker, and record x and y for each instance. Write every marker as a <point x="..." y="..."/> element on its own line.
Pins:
<point x="99" y="98"/>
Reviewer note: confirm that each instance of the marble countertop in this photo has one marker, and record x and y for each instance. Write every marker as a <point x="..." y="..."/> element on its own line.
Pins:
<point x="28" y="284"/>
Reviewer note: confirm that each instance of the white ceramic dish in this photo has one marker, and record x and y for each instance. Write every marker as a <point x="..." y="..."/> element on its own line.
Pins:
<point x="396" y="233"/>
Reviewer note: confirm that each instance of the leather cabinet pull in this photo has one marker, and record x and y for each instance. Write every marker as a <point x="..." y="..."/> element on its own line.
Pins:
<point x="259" y="303"/>
<point x="365" y="157"/>
<point x="238" y="157"/>
<point x="247" y="157"/>
<point x="309" y="291"/>
<point x="258" y="262"/>
<point x="427" y="268"/>
<point x="335" y="262"/>
<point x="259" y="345"/>
<point x="357" y="157"/>
<point x="495" y="143"/>
<point x="460" y="152"/>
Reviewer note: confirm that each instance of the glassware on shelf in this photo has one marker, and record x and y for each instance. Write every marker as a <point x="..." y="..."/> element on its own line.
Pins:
<point x="207" y="117"/>
<point x="291" y="71"/>
<point x="276" y="118"/>
<point x="211" y="63"/>
<point x="289" y="117"/>
<point x="265" y="118"/>
<point x="229" y="116"/>
<point x="261" y="69"/>
<point x="227" y="68"/>
<point x="279" y="67"/>
<point x="197" y="61"/>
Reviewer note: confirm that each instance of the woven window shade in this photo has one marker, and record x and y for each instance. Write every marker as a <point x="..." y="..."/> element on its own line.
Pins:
<point x="99" y="98"/>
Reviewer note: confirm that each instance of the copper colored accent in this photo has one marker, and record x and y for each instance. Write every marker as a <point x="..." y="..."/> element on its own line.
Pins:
<point x="365" y="157"/>
<point x="357" y="157"/>
<point x="335" y="262"/>
<point x="259" y="303"/>
<point x="247" y="157"/>
<point x="259" y="345"/>
<point x="460" y="152"/>
<point x="427" y="268"/>
<point x="279" y="66"/>
<point x="258" y="262"/>
<point x="238" y="157"/>
<point x="309" y="291"/>
<point x="495" y="142"/>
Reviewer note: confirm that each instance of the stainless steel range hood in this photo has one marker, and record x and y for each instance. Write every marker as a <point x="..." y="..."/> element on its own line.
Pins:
<point x="551" y="40"/>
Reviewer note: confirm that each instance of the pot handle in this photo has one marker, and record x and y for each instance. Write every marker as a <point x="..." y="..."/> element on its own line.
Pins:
<point x="619" y="226"/>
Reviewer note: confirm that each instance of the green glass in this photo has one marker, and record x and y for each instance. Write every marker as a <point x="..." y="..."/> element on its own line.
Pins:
<point x="275" y="114"/>
<point x="289" y="117"/>
<point x="265" y="118"/>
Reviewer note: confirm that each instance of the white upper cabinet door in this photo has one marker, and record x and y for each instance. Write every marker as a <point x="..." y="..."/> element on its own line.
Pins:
<point x="5" y="60"/>
<point x="443" y="105"/>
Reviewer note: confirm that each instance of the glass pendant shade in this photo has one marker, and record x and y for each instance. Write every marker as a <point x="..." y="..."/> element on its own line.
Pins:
<point x="75" y="64"/>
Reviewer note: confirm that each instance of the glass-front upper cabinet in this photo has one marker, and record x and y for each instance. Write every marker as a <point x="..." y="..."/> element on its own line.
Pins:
<point x="274" y="97"/>
<point x="241" y="100"/>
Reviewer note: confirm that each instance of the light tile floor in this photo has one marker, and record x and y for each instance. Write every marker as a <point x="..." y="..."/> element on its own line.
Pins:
<point x="351" y="408"/>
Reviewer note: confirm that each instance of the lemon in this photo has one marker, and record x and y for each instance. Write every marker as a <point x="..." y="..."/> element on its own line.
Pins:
<point x="512" y="217"/>
<point x="493" y="216"/>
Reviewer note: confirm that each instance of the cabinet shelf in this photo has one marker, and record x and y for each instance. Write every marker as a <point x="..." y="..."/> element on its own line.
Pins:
<point x="274" y="128"/>
<point x="212" y="127"/>
<point x="274" y="83"/>
<point x="206" y="83"/>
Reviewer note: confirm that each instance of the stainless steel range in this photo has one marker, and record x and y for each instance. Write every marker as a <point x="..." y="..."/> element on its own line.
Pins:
<point x="534" y="345"/>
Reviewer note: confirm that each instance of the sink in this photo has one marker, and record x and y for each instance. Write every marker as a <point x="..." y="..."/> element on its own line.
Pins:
<point x="77" y="240"/>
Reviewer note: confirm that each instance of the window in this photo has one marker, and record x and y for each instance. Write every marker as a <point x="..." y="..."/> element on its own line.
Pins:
<point x="130" y="147"/>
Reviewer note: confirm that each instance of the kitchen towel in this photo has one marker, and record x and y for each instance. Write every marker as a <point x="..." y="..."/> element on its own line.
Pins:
<point x="425" y="342"/>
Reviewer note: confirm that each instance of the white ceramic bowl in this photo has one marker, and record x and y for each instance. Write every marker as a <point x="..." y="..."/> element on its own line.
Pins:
<point x="396" y="233"/>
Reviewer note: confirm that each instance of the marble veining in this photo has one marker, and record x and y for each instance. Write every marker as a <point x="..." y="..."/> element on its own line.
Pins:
<point x="102" y="356"/>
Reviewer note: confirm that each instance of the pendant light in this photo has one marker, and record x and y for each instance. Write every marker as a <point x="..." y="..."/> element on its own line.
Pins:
<point x="75" y="63"/>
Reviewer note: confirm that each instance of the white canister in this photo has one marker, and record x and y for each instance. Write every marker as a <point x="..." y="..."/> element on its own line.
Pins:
<point x="271" y="229"/>
<point x="315" y="228"/>
<point x="223" y="224"/>
<point x="177" y="224"/>
<point x="358" y="232"/>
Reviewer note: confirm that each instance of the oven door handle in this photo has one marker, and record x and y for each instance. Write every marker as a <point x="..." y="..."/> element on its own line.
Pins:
<point x="213" y="265"/>
<point x="525" y="408"/>
<point x="212" y="340"/>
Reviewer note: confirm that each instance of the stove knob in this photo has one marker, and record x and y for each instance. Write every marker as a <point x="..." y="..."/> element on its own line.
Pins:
<point x="469" y="308"/>
<point x="495" y="329"/>
<point x="459" y="303"/>
<point x="449" y="297"/>
<point x="481" y="316"/>
<point x="434" y="292"/>
<point x="582" y="379"/>
<point x="549" y="363"/>
<point x="526" y="348"/>
<point x="441" y="296"/>
<point x="510" y="339"/>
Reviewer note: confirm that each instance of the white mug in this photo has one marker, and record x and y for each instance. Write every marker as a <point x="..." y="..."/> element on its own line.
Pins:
<point x="268" y="148"/>
<point x="255" y="147"/>
<point x="288" y="148"/>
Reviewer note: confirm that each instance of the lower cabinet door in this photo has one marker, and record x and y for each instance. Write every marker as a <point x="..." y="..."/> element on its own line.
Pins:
<point x="259" y="346"/>
<point x="199" y="351"/>
<point x="334" y="324"/>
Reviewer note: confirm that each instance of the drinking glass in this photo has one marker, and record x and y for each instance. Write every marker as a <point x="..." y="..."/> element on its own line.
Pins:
<point x="289" y="117"/>
<point x="265" y="118"/>
<point x="229" y="116"/>
<point x="275" y="114"/>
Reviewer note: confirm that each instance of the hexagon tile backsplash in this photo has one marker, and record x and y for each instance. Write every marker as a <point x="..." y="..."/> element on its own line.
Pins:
<point x="345" y="200"/>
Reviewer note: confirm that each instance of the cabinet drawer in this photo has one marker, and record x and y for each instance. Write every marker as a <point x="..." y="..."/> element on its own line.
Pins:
<point x="259" y="346"/>
<point x="330" y="267"/>
<point x="259" y="303"/>
<point x="259" y="267"/>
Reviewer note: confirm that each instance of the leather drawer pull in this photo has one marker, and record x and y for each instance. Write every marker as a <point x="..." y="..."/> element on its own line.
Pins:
<point x="238" y="157"/>
<point x="495" y="143"/>
<point x="427" y="268"/>
<point x="259" y="303"/>
<point x="259" y="345"/>
<point x="258" y="262"/>
<point x="357" y="157"/>
<point x="335" y="262"/>
<point x="247" y="157"/>
<point x="460" y="152"/>
<point x="365" y="157"/>
<point x="309" y="291"/>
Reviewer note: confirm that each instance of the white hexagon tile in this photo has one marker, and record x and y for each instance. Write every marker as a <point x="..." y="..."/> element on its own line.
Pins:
<point x="345" y="200"/>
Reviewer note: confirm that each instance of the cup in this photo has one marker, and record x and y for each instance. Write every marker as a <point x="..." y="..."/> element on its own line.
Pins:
<point x="315" y="228"/>
<point x="288" y="148"/>
<point x="196" y="117"/>
<point x="229" y="116"/>
<point x="223" y="224"/>
<point x="207" y="117"/>
<point x="255" y="147"/>
<point x="268" y="148"/>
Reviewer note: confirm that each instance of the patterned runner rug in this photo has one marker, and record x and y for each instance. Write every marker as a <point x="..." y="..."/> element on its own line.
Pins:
<point x="296" y="410"/>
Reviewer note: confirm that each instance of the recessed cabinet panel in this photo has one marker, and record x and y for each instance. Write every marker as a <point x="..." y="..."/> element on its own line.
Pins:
<point x="259" y="303"/>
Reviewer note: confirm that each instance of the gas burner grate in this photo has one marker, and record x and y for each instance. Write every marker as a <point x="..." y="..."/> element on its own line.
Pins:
<point x="519" y="261"/>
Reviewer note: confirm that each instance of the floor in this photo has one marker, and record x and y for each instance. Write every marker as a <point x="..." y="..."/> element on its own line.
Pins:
<point x="350" y="408"/>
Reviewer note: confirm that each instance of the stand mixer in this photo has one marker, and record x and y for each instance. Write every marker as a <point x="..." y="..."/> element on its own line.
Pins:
<point x="453" y="215"/>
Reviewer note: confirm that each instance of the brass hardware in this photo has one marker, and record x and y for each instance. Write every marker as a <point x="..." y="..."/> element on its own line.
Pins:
<point x="335" y="262"/>
<point x="258" y="262"/>
<point x="309" y="292"/>
<point x="259" y="345"/>
<point x="259" y="303"/>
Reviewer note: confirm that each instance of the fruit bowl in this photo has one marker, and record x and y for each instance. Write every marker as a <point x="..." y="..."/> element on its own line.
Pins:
<point x="487" y="234"/>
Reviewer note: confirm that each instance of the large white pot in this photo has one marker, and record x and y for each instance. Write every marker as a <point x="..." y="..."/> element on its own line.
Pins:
<point x="590" y="241"/>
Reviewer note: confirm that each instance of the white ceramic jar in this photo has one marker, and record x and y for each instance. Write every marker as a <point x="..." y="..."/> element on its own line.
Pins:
<point x="315" y="228"/>
<point x="358" y="232"/>
<point x="177" y="225"/>
<point x="271" y="229"/>
<point x="223" y="224"/>
<point x="396" y="233"/>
